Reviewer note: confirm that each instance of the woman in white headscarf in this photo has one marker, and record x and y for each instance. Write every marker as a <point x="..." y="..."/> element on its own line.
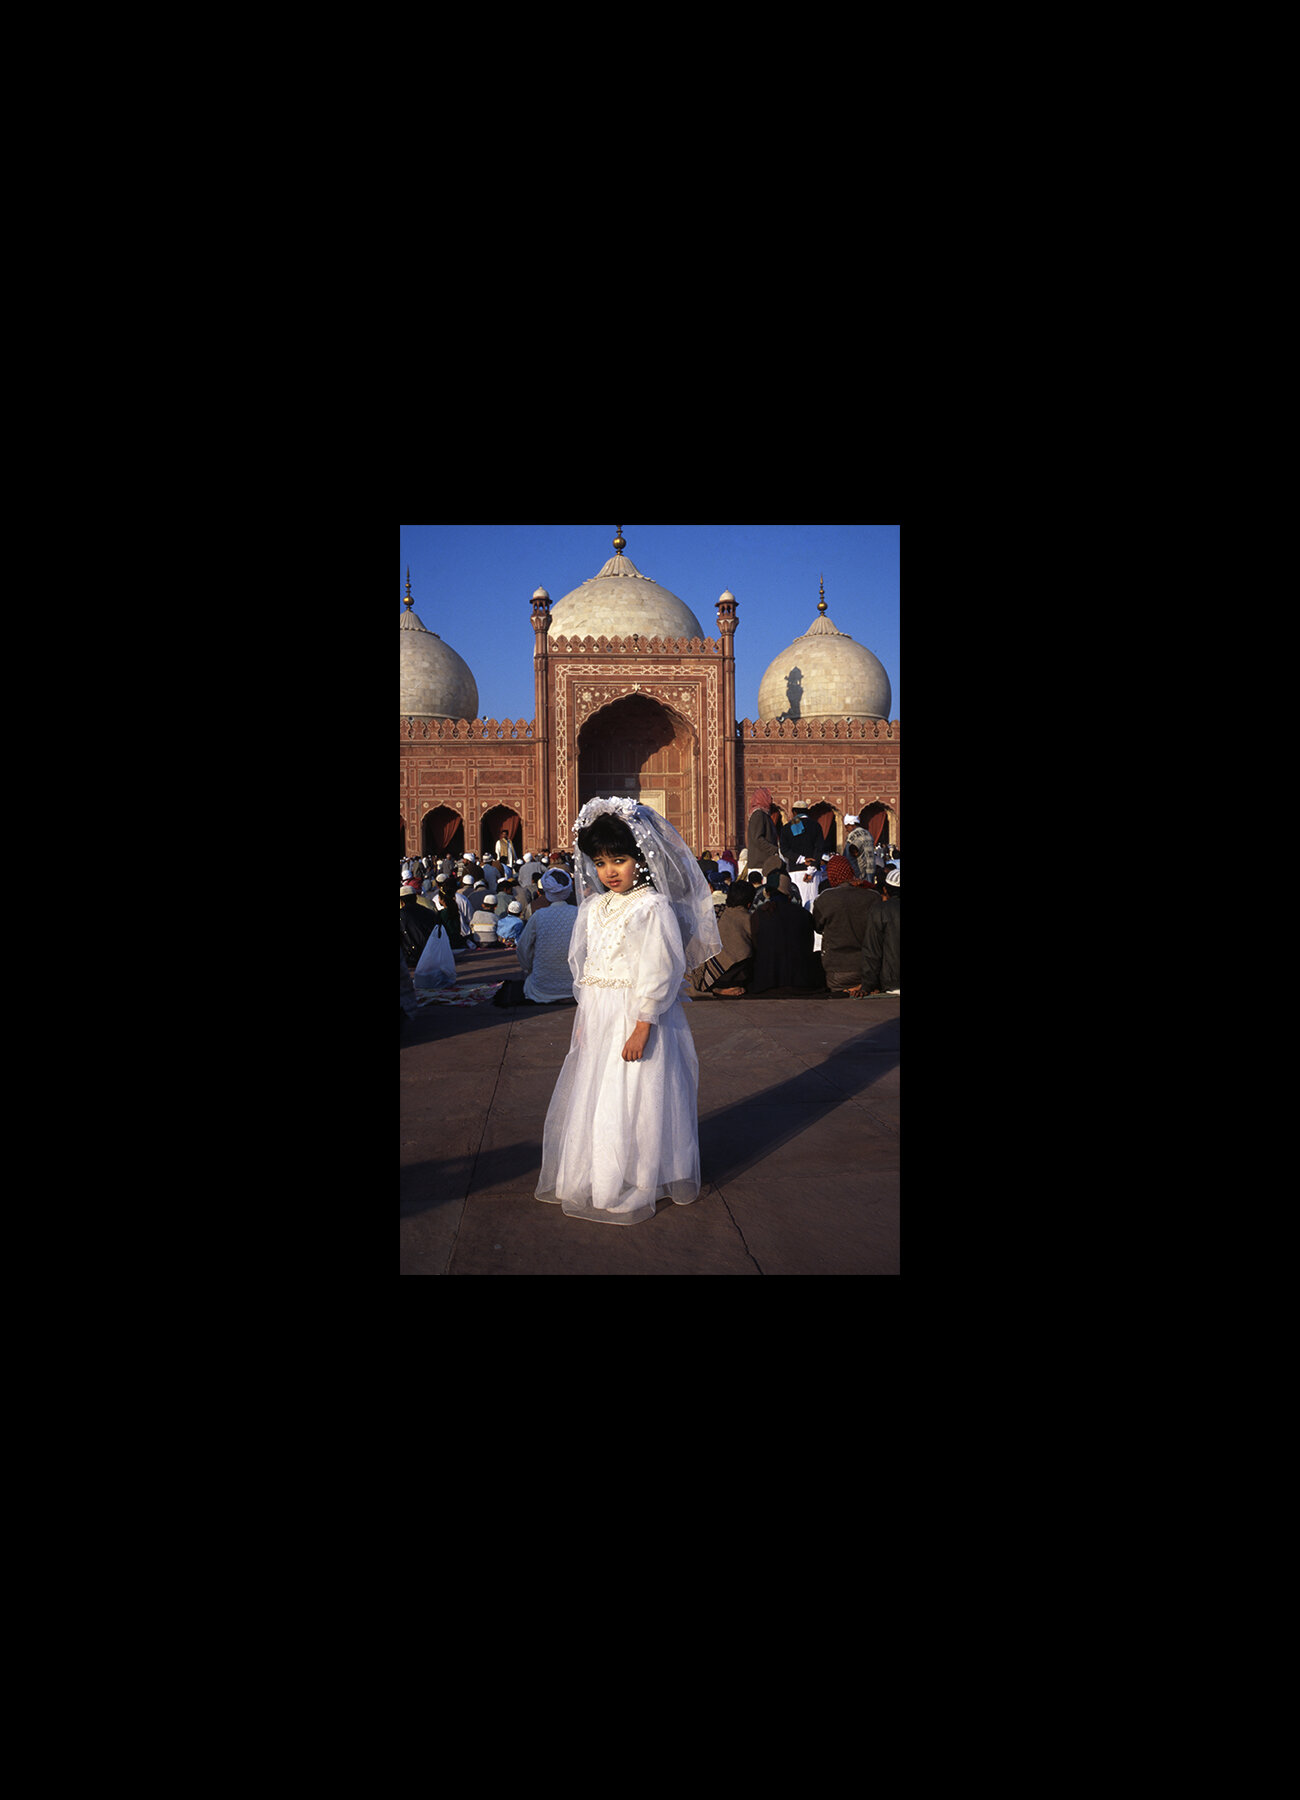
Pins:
<point x="622" y="1129"/>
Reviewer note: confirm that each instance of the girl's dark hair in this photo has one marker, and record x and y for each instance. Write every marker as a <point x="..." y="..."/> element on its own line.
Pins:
<point x="613" y="836"/>
<point x="609" y="833"/>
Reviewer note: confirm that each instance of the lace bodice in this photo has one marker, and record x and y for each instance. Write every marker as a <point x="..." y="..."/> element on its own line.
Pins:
<point x="611" y="961"/>
<point x="630" y="941"/>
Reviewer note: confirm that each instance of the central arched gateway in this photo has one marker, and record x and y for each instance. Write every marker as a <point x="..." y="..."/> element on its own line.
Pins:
<point x="638" y="747"/>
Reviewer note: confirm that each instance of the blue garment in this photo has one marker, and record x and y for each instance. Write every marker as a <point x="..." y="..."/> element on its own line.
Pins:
<point x="508" y="929"/>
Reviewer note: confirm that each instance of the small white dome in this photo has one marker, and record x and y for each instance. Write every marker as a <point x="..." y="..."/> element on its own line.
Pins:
<point x="824" y="675"/>
<point x="435" y="682"/>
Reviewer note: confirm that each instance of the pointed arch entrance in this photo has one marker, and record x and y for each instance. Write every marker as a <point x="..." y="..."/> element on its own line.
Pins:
<point x="501" y="822"/>
<point x="826" y="819"/>
<point x="442" y="833"/>
<point x="881" y="821"/>
<point x="639" y="747"/>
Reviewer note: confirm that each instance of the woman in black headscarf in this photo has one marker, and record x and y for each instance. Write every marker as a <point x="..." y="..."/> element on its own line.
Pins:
<point x="786" y="965"/>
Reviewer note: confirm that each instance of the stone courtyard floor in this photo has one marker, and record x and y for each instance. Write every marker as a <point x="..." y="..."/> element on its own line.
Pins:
<point x="799" y="1142"/>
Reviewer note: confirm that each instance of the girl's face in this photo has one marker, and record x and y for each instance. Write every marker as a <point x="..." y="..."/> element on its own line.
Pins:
<point x="616" y="871"/>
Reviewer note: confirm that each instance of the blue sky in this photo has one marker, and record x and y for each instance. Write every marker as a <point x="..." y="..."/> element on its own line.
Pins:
<point x="473" y="585"/>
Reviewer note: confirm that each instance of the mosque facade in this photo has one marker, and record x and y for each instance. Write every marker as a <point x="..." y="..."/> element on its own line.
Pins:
<point x="632" y="697"/>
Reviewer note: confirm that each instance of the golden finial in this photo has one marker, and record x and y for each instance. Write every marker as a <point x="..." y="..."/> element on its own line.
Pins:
<point x="409" y="600"/>
<point x="821" y="604"/>
<point x="620" y="542"/>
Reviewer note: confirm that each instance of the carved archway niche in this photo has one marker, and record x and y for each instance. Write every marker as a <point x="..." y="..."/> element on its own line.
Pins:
<point x="639" y="747"/>
<point x="442" y="833"/>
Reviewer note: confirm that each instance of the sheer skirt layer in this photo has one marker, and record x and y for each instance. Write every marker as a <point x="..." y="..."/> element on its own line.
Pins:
<point x="621" y="1135"/>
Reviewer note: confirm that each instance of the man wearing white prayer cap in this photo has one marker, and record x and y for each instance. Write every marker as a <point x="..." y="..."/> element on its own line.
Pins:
<point x="484" y="920"/>
<point x="526" y="874"/>
<point x="543" y="945"/>
<point x="465" y="906"/>
<point x="509" y="927"/>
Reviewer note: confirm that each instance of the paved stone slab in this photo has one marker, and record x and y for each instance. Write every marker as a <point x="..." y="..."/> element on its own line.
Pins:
<point x="516" y="1235"/>
<point x="847" y="1224"/>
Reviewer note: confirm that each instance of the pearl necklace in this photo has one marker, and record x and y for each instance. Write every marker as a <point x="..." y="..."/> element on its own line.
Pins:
<point x="614" y="915"/>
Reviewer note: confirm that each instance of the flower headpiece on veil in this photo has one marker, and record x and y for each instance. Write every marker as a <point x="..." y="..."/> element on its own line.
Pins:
<point x="676" y="874"/>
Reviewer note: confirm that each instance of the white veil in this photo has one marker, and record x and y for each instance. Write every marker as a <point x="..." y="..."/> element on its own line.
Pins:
<point x="677" y="875"/>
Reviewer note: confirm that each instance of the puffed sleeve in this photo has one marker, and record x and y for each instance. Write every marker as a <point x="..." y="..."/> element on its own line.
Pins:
<point x="660" y="962"/>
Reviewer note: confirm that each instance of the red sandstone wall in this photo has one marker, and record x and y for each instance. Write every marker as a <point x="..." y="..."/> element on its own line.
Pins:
<point x="848" y="767"/>
<point x="470" y="766"/>
<point x="474" y="765"/>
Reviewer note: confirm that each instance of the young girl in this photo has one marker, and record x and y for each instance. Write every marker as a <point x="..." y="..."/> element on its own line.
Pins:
<point x="622" y="1130"/>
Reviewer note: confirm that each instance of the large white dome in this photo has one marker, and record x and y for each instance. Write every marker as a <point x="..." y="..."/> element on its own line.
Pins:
<point x="620" y="601"/>
<point x="435" y="681"/>
<point x="824" y="675"/>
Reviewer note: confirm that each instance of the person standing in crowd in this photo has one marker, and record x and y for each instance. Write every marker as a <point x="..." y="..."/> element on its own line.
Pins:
<point x="802" y="837"/>
<point x="882" y="969"/>
<point x="465" y="907"/>
<point x="840" y="914"/>
<point x="727" y="864"/>
<point x="785" y="964"/>
<point x="761" y="841"/>
<point x="736" y="929"/>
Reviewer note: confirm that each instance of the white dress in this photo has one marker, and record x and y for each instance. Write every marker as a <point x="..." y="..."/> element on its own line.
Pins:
<point x="621" y="1135"/>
